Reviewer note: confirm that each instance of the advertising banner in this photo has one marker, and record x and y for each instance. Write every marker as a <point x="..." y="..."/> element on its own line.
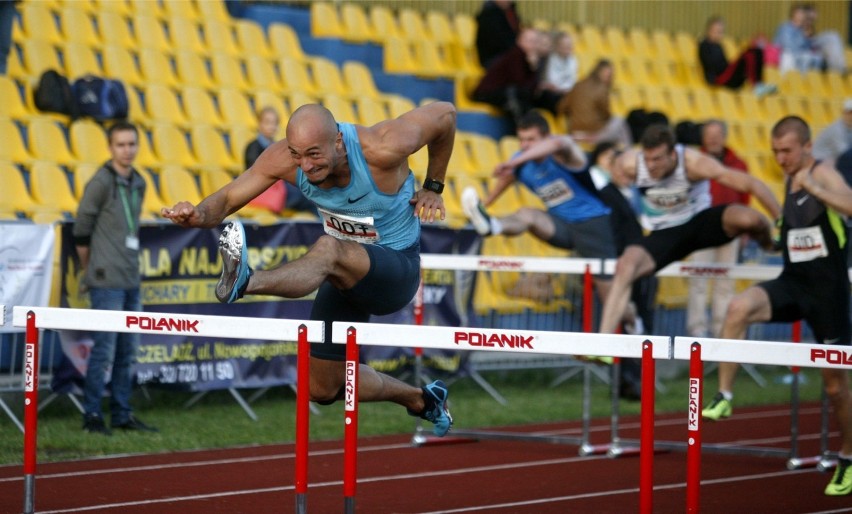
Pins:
<point x="26" y="265"/>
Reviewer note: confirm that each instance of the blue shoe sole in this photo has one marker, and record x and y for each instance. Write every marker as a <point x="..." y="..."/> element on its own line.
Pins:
<point x="242" y="270"/>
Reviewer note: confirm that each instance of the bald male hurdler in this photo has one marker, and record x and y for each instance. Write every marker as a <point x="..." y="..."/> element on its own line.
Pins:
<point x="368" y="261"/>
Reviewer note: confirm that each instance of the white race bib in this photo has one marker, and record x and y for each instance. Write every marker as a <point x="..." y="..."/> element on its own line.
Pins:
<point x="806" y="244"/>
<point x="351" y="228"/>
<point x="555" y="193"/>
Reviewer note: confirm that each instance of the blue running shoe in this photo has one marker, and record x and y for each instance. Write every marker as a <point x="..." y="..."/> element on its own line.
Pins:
<point x="436" y="411"/>
<point x="235" y="270"/>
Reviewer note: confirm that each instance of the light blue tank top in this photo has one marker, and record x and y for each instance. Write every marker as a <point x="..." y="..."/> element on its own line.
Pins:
<point x="360" y="212"/>
<point x="562" y="193"/>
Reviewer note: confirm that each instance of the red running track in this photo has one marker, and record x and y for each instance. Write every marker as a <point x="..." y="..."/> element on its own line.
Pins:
<point x="477" y="477"/>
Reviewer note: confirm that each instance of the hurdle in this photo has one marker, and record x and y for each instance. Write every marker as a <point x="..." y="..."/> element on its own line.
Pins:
<point x="520" y="341"/>
<point x="697" y="350"/>
<point x="185" y="325"/>
<point x="574" y="266"/>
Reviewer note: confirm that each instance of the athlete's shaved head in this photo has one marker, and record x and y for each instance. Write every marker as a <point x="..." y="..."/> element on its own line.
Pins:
<point x="793" y="124"/>
<point x="312" y="121"/>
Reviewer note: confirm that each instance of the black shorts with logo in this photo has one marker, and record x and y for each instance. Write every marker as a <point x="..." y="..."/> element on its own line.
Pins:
<point x="823" y="304"/>
<point x="387" y="287"/>
<point x="704" y="230"/>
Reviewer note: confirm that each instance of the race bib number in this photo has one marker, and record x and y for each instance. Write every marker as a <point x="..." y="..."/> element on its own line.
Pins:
<point x="555" y="193"/>
<point x="351" y="228"/>
<point x="806" y="244"/>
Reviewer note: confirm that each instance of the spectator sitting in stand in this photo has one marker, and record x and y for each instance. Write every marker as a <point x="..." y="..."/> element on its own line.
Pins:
<point x="837" y="137"/>
<point x="587" y="107"/>
<point x="280" y="195"/>
<point x="562" y="67"/>
<point x="798" y="51"/>
<point x="497" y="28"/>
<point x="828" y="43"/>
<point x="748" y="67"/>
<point x="512" y="83"/>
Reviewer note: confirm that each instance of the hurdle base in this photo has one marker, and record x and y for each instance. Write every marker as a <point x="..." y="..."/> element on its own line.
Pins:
<point x="617" y="450"/>
<point x="587" y="449"/>
<point x="820" y="462"/>
<point x="431" y="440"/>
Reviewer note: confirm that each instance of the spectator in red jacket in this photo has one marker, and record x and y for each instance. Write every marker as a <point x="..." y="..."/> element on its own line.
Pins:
<point x="713" y="142"/>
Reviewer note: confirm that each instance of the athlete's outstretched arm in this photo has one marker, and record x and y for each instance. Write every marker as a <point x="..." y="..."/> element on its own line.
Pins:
<point x="700" y="166"/>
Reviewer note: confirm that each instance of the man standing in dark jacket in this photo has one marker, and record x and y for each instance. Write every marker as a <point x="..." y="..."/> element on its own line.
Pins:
<point x="106" y="234"/>
<point x="497" y="27"/>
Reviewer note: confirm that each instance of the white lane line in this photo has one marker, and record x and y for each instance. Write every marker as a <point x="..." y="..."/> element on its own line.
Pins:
<point x="409" y="476"/>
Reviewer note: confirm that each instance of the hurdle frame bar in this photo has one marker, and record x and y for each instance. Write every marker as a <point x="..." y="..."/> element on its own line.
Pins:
<point x="630" y="346"/>
<point x="229" y="327"/>
<point x="698" y="350"/>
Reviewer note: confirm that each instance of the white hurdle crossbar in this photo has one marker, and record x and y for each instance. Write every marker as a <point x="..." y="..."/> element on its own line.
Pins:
<point x="698" y="350"/>
<point x="187" y="325"/>
<point x="519" y="341"/>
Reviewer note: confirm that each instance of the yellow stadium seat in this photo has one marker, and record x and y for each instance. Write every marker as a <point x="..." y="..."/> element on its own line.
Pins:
<point x="485" y="153"/>
<point x="210" y="149"/>
<point x="285" y="43"/>
<point x="509" y="146"/>
<point x="356" y="26"/>
<point x="38" y="22"/>
<point x="170" y="146"/>
<point x="775" y="107"/>
<point x="681" y="106"/>
<point x="464" y="26"/>
<point x="817" y="84"/>
<point x="15" y="67"/>
<point x="135" y="109"/>
<point x="83" y="173"/>
<point x="177" y="185"/>
<point x="118" y="6"/>
<point x="370" y="110"/>
<point x="295" y="76"/>
<point x="640" y="44"/>
<point x="185" y="34"/>
<point x="432" y="60"/>
<point x="228" y="72"/>
<point x="261" y="74"/>
<point x="342" y="108"/>
<point x="384" y="22"/>
<point x="88" y="142"/>
<point x="729" y="108"/>
<point x="593" y="40"/>
<point x="14" y="195"/>
<point x="297" y="99"/>
<point x="119" y="64"/>
<point x="153" y="201"/>
<point x="115" y="28"/>
<point x="147" y="7"/>
<point x="664" y="72"/>
<point x="412" y="25"/>
<point x="181" y="8"/>
<point x="398" y="105"/>
<point x="792" y="83"/>
<point x="239" y="136"/>
<point x="702" y="99"/>
<point x="219" y="36"/>
<point x="213" y="10"/>
<point x="617" y="42"/>
<point x="78" y="26"/>
<point x="663" y="44"/>
<point x="751" y="107"/>
<point x="326" y="76"/>
<point x="145" y="158"/>
<point x="200" y="107"/>
<point x="50" y="187"/>
<point x="235" y="108"/>
<point x="192" y="70"/>
<point x="39" y="55"/>
<point x="269" y="98"/>
<point x="440" y="28"/>
<point x="150" y="32"/>
<point x="13" y="104"/>
<point x="399" y="56"/>
<point x="252" y="40"/>
<point x="47" y="142"/>
<point x="213" y="179"/>
<point x="13" y="148"/>
<point x="359" y="80"/>
<point x="687" y="47"/>
<point x="325" y="21"/>
<point x="80" y="60"/>
<point x="163" y="105"/>
<point x="156" y="68"/>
